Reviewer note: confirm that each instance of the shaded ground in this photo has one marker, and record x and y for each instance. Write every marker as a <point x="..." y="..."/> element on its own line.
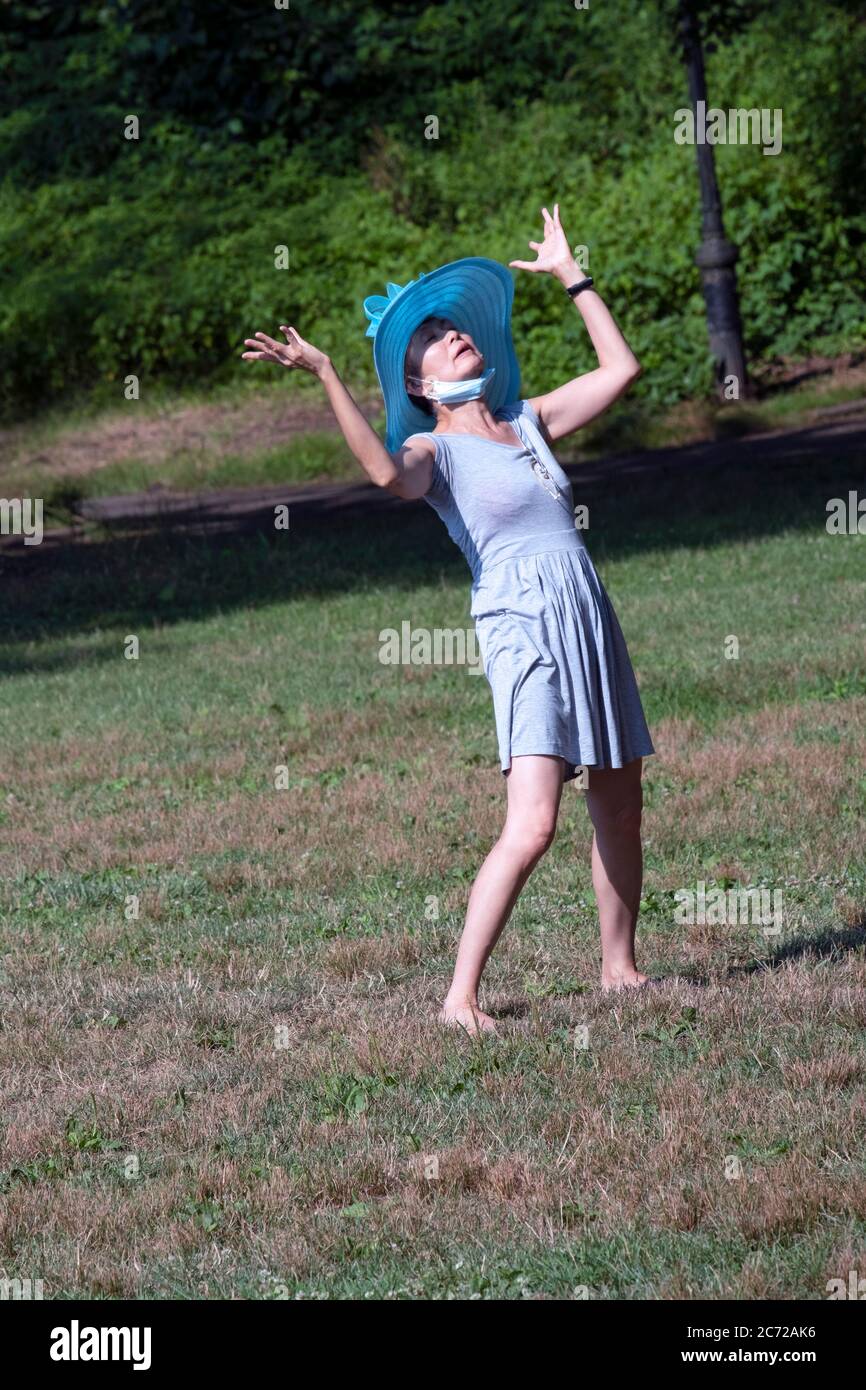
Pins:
<point x="154" y="562"/>
<point x="273" y="417"/>
<point x="839" y="432"/>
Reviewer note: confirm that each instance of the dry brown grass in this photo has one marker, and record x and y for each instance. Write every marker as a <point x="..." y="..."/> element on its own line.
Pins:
<point x="726" y="786"/>
<point x="246" y="427"/>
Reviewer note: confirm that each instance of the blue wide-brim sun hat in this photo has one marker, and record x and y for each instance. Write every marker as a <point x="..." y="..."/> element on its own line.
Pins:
<point x="476" y="294"/>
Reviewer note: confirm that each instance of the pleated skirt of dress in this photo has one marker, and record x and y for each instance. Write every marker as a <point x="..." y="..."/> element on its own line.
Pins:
<point x="557" y="662"/>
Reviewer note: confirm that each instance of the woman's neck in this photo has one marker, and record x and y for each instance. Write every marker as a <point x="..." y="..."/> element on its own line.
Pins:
<point x="469" y="417"/>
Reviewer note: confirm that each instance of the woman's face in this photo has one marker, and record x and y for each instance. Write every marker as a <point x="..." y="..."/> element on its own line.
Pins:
<point x="438" y="349"/>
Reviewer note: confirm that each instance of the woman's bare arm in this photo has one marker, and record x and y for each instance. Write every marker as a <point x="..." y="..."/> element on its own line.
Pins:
<point x="407" y="474"/>
<point x="381" y="468"/>
<point x="359" y="434"/>
<point x="414" y="464"/>
<point x="578" y="401"/>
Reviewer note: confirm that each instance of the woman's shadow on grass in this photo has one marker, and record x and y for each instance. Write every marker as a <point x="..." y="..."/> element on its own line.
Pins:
<point x="831" y="944"/>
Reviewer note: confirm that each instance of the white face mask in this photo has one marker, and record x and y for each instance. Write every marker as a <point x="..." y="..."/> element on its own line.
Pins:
<point x="452" y="392"/>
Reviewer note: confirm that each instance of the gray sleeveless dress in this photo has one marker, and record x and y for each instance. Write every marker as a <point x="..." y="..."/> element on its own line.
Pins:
<point x="550" y="642"/>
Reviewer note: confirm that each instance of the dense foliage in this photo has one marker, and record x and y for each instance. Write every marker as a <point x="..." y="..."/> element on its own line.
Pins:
<point x="305" y="127"/>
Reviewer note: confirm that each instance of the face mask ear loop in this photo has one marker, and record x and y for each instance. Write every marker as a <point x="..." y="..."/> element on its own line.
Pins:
<point x="425" y="381"/>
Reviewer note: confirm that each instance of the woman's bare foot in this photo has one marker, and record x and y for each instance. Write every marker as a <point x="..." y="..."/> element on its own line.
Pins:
<point x="612" y="981"/>
<point x="466" y="1015"/>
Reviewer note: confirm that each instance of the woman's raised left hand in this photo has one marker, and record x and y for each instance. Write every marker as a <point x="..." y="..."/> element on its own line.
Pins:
<point x="553" y="251"/>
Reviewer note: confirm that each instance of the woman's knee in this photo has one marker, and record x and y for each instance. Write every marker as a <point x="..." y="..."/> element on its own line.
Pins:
<point x="531" y="833"/>
<point x="622" y="816"/>
<point x="534" y="792"/>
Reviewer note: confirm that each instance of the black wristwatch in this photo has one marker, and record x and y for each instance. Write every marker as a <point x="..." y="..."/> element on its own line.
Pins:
<point x="574" y="290"/>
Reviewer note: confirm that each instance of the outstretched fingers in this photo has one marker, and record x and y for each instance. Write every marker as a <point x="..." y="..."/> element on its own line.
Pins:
<point x="268" y="342"/>
<point x="267" y="349"/>
<point x="261" y="353"/>
<point x="295" y="352"/>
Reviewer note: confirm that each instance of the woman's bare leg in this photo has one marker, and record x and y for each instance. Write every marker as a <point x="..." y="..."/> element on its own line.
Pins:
<point x="534" y="787"/>
<point x="614" y="800"/>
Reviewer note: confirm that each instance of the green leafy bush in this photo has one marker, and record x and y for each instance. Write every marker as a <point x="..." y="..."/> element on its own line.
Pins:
<point x="157" y="257"/>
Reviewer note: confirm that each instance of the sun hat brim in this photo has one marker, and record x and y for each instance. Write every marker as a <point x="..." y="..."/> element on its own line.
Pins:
<point x="476" y="293"/>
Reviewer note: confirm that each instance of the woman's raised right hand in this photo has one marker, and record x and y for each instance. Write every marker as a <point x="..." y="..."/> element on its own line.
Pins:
<point x="295" y="353"/>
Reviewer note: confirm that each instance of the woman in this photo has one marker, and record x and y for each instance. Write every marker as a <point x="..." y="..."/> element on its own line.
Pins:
<point x="565" y="697"/>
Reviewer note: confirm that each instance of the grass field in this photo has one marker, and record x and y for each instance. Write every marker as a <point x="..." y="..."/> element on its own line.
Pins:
<point x="241" y="1091"/>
